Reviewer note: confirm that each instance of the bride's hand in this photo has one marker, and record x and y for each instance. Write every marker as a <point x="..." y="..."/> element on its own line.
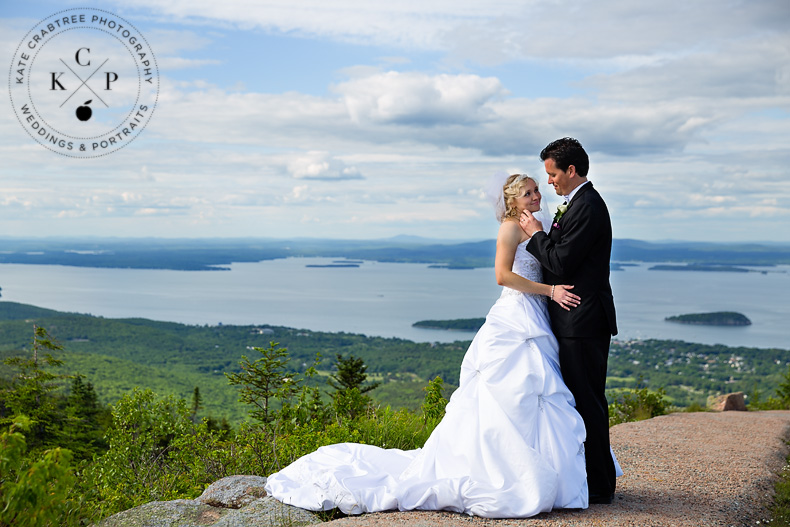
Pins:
<point x="565" y="298"/>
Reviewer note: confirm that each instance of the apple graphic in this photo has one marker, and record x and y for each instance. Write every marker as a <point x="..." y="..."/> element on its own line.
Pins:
<point x="84" y="112"/>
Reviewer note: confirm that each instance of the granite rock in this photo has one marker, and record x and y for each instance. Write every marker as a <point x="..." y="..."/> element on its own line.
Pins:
<point x="235" y="501"/>
<point x="731" y="401"/>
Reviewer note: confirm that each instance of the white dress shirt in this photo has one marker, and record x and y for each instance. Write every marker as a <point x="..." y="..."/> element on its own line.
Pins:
<point x="569" y="197"/>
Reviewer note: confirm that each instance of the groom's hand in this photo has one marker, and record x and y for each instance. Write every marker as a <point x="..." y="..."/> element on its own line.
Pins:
<point x="529" y="224"/>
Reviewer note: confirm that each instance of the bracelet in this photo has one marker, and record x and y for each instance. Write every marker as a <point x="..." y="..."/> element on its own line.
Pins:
<point x="551" y="296"/>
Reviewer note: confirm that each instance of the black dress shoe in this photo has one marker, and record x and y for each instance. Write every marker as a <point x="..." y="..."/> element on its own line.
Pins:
<point x="601" y="499"/>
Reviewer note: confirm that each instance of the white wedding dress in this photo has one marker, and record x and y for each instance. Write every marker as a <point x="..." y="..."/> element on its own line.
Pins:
<point x="509" y="446"/>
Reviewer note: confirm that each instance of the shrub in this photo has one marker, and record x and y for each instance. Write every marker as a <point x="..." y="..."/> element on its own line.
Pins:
<point x="636" y="404"/>
<point x="137" y="468"/>
<point x="33" y="492"/>
<point x="435" y="403"/>
<point x="780" y="402"/>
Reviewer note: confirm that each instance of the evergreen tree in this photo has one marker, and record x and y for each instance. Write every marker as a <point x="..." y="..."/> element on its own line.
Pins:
<point x="349" y="397"/>
<point x="87" y="420"/>
<point x="32" y="391"/>
<point x="197" y="404"/>
<point x="350" y="374"/>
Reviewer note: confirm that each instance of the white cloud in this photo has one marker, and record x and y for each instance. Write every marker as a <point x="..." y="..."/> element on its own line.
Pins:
<point x="748" y="68"/>
<point x="406" y="23"/>
<point x="461" y="111"/>
<point x="419" y="99"/>
<point x="497" y="30"/>
<point x="320" y="165"/>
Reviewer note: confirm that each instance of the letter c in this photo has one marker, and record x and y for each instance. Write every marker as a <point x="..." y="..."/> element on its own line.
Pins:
<point x="77" y="57"/>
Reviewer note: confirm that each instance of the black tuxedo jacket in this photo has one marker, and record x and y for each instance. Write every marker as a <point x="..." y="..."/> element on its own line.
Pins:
<point x="576" y="251"/>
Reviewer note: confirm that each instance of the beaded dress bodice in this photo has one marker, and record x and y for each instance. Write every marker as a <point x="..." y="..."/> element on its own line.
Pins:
<point x="526" y="265"/>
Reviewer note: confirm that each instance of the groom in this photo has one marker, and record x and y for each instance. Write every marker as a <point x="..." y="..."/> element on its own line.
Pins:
<point x="576" y="251"/>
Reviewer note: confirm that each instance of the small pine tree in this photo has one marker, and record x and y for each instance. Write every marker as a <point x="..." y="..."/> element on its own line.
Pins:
<point x="349" y="396"/>
<point x="350" y="374"/>
<point x="86" y="420"/>
<point x="264" y="381"/>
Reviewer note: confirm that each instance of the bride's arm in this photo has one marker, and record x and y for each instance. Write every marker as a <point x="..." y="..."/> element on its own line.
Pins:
<point x="507" y="241"/>
<point x="510" y="235"/>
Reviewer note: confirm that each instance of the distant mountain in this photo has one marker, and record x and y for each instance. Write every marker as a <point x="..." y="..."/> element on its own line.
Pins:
<point x="216" y="253"/>
<point x="701" y="252"/>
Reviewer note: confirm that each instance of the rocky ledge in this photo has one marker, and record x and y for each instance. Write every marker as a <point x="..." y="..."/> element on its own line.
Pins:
<point x="235" y="501"/>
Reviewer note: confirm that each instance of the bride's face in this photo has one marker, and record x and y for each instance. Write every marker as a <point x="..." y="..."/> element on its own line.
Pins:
<point x="530" y="198"/>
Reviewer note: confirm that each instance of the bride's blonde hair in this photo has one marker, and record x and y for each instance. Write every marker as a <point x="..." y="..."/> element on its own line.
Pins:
<point x="512" y="189"/>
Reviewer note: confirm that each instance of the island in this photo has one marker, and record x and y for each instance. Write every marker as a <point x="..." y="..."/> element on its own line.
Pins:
<point x="699" y="267"/>
<point x="620" y="266"/>
<point x="458" y="324"/>
<point x="718" y="318"/>
<point x="333" y="265"/>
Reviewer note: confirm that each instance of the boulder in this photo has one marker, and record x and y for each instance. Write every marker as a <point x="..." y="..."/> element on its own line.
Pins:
<point x="233" y="492"/>
<point x="267" y="512"/>
<point x="166" y="514"/>
<point x="727" y="402"/>
<point x="235" y="501"/>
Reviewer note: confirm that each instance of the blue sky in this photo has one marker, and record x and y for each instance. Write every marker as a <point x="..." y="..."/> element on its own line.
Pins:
<point x="351" y="119"/>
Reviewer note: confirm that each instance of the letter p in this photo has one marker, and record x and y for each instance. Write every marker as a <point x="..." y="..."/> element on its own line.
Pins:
<point x="111" y="77"/>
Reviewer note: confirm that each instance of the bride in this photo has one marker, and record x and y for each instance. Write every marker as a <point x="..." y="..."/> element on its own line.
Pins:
<point x="511" y="442"/>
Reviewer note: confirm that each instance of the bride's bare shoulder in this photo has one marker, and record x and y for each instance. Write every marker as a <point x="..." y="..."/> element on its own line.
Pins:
<point x="511" y="230"/>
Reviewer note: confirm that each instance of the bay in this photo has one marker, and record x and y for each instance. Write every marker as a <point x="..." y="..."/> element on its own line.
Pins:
<point x="385" y="299"/>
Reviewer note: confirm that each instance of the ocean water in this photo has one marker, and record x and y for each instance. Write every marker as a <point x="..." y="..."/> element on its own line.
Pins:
<point x="385" y="299"/>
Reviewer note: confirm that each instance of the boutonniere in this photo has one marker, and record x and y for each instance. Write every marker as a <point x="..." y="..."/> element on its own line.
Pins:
<point x="560" y="211"/>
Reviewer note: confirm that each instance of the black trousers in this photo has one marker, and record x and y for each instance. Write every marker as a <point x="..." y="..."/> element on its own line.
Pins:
<point x="583" y="363"/>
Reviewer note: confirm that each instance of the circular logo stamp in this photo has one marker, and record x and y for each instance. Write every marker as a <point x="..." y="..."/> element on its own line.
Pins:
<point x="84" y="82"/>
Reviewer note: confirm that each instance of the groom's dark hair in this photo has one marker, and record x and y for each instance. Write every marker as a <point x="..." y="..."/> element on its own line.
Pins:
<point x="566" y="152"/>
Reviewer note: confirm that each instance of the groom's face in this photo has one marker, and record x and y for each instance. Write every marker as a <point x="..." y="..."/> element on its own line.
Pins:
<point x="560" y="179"/>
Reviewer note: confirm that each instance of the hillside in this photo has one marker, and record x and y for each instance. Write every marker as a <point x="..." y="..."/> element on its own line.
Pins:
<point x="118" y="354"/>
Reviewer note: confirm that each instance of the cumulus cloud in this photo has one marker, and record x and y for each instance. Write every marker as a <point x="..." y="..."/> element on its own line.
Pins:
<point x="420" y="99"/>
<point x="322" y="166"/>
<point x="446" y="111"/>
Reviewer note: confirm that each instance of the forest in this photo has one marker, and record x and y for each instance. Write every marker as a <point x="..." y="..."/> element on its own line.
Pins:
<point x="116" y="355"/>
